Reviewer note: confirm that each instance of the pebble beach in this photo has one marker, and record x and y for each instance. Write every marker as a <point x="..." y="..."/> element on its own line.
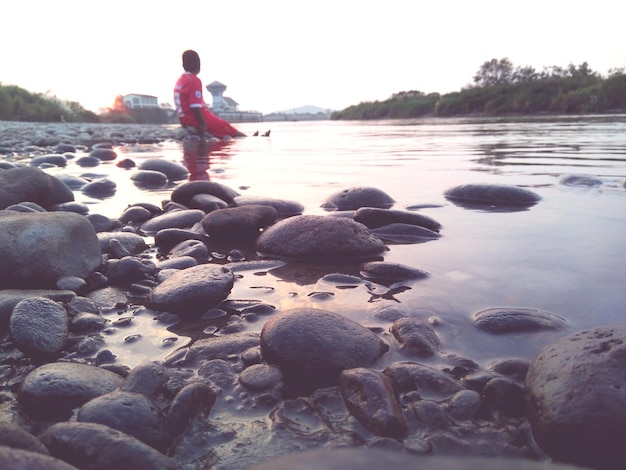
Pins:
<point x="81" y="293"/>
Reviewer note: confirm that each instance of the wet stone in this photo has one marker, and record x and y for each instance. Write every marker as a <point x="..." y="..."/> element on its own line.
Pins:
<point x="173" y="171"/>
<point x="429" y="382"/>
<point x="370" y="397"/>
<point x="317" y="237"/>
<point x="405" y="234"/>
<point x="517" y="320"/>
<point x="284" y="208"/>
<point x="415" y="337"/>
<point x="260" y="377"/>
<point x="149" y="179"/>
<point x="183" y="193"/>
<point x="131" y="413"/>
<point x="357" y="197"/>
<point x="238" y="222"/>
<point x="14" y="458"/>
<point x="193" y="290"/>
<point x="576" y="397"/>
<point x="373" y="217"/>
<point x="51" y="391"/>
<point x="175" y="219"/>
<point x="492" y="195"/>
<point x="317" y="344"/>
<point x="188" y="402"/>
<point x="93" y="445"/>
<point x="39" y="327"/>
<point x="384" y="271"/>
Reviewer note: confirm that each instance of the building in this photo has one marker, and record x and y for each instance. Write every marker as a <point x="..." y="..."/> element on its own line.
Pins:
<point x="134" y="101"/>
<point x="227" y="108"/>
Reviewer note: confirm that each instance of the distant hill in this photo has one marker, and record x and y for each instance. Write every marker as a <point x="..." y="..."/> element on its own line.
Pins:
<point x="306" y="109"/>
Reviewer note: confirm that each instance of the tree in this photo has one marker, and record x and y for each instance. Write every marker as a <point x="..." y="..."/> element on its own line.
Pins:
<point x="494" y="72"/>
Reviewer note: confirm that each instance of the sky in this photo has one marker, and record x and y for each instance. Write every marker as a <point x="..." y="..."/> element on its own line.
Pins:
<point x="276" y="55"/>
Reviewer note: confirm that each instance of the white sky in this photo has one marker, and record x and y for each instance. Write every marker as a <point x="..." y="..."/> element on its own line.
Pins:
<point x="275" y="55"/>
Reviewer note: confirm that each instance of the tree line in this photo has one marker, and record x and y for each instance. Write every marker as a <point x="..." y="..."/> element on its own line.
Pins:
<point x="500" y="88"/>
<point x="18" y="104"/>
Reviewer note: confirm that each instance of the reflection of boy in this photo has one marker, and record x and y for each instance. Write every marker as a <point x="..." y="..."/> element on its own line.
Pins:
<point x="190" y="106"/>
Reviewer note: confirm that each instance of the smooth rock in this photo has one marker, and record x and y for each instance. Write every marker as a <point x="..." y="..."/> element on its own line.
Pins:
<point x="52" y="391"/>
<point x="183" y="193"/>
<point x="33" y="185"/>
<point x="370" y="397"/>
<point x="385" y="271"/>
<point x="576" y="397"/>
<point x="92" y="446"/>
<point x="146" y="379"/>
<point x="310" y="237"/>
<point x="104" y="154"/>
<point x="238" y="222"/>
<point x="405" y="233"/>
<point x="207" y="349"/>
<point x="172" y="170"/>
<point x="373" y="217"/>
<point x="284" y="208"/>
<point x="132" y="243"/>
<point x="190" y="248"/>
<point x="415" y="337"/>
<point x="317" y="345"/>
<point x="135" y="214"/>
<point x="131" y="413"/>
<point x="20" y="459"/>
<point x="492" y="195"/>
<point x="193" y="290"/>
<point x="9" y="298"/>
<point x="259" y="377"/>
<point x="12" y="435"/>
<point x="188" y="402"/>
<point x="517" y="320"/>
<point x="54" y="159"/>
<point x="39" y="327"/>
<point x="100" y="188"/>
<point x="207" y="203"/>
<point x="357" y="197"/>
<point x="175" y="219"/>
<point x="430" y="383"/>
<point x="149" y="179"/>
<point x="37" y="249"/>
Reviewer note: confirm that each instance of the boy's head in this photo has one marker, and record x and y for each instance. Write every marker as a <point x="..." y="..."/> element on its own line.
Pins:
<point x="191" y="61"/>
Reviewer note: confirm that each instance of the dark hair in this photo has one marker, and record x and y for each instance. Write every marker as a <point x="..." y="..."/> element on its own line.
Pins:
<point x="191" y="61"/>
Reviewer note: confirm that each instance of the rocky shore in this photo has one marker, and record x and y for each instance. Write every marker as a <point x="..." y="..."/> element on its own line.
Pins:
<point x="311" y="379"/>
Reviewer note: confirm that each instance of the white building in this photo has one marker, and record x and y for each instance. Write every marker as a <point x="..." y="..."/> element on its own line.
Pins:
<point x="134" y="101"/>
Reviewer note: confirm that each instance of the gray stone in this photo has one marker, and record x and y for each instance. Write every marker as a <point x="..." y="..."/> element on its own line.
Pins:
<point x="384" y="271"/>
<point x="11" y="458"/>
<point x="175" y="219"/>
<point x="318" y="344"/>
<point x="370" y="398"/>
<point x="357" y="197"/>
<point x="206" y="349"/>
<point x="259" y="377"/>
<point x="405" y="233"/>
<point x="93" y="446"/>
<point x="135" y="214"/>
<point x="53" y="390"/>
<point x="9" y="298"/>
<point x="207" y="203"/>
<point x="517" y="320"/>
<point x="188" y="402"/>
<point x="39" y="327"/>
<point x="576" y="397"/>
<point x="415" y="337"/>
<point x="373" y="217"/>
<point x="310" y="237"/>
<point x="11" y="435"/>
<point x="131" y="413"/>
<point x="54" y="159"/>
<point x="190" y="248"/>
<point x="33" y="185"/>
<point x="193" y="290"/>
<point x="146" y="379"/>
<point x="132" y="243"/>
<point x="183" y="193"/>
<point x="284" y="208"/>
<point x="238" y="222"/>
<point x="38" y="249"/>
<point x="429" y="382"/>
<point x="172" y="170"/>
<point x="100" y="189"/>
<point x="104" y="154"/>
<point x="149" y="179"/>
<point x="492" y="195"/>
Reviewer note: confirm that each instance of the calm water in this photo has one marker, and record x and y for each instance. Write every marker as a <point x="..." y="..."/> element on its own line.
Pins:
<point x="566" y="255"/>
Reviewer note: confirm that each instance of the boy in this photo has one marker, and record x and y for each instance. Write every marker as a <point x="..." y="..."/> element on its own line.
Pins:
<point x="191" y="109"/>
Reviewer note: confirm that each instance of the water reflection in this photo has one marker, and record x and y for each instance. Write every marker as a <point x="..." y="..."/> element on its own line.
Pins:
<point x="196" y="158"/>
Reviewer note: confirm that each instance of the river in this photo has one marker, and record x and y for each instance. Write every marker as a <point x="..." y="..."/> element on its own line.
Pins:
<point x="565" y="255"/>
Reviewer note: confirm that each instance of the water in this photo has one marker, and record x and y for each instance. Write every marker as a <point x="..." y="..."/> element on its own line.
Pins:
<point x="566" y="255"/>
